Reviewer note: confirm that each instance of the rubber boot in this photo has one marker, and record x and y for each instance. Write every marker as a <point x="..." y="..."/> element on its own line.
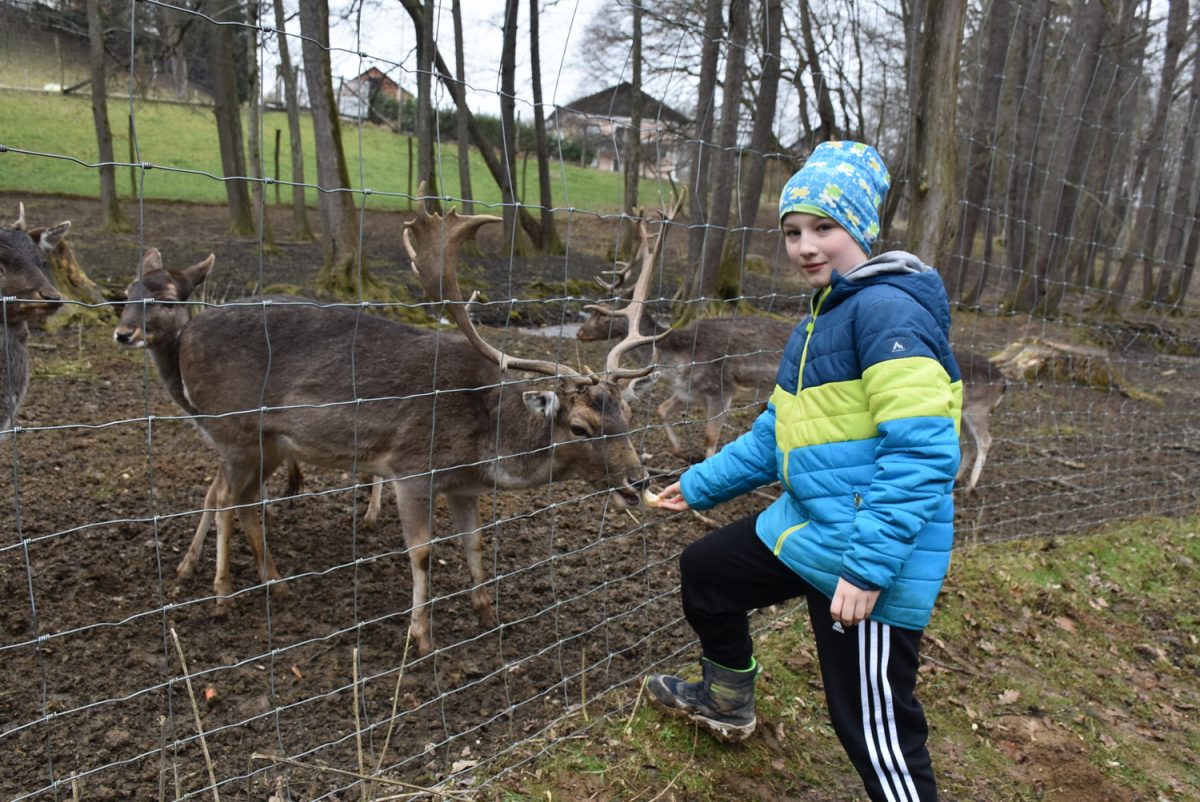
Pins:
<point x="722" y="701"/>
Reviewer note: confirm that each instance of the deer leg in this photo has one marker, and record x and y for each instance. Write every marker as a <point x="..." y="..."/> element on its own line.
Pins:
<point x="375" y="503"/>
<point x="415" y="518"/>
<point x="978" y="426"/>
<point x="465" y="512"/>
<point x="666" y="412"/>
<point x="246" y="489"/>
<point x="187" y="566"/>
<point x="718" y="407"/>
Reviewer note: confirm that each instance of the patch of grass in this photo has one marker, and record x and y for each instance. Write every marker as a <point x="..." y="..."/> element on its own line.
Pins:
<point x="1064" y="663"/>
<point x="182" y="139"/>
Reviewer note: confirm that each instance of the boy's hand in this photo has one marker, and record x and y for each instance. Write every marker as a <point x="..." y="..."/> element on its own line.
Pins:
<point x="851" y="605"/>
<point x="672" y="499"/>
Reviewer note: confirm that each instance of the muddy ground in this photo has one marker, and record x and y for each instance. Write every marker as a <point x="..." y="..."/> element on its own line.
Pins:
<point x="105" y="483"/>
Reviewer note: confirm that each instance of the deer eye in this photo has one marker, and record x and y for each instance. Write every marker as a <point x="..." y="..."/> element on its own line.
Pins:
<point x="579" y="430"/>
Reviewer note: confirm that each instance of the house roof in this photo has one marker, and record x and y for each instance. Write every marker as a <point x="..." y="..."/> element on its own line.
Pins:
<point x="617" y="101"/>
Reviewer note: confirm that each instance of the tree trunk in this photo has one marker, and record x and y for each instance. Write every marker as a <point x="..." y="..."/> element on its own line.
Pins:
<point x="719" y="279"/>
<point x="763" y="134"/>
<point x="1030" y="55"/>
<point x="632" y="157"/>
<point x="550" y="242"/>
<point x="1040" y="289"/>
<point x="461" y="132"/>
<point x="1185" y="199"/>
<point x="508" y="122"/>
<point x="228" y="113"/>
<point x="341" y="271"/>
<point x="827" y="129"/>
<point x="299" y="208"/>
<point x="113" y="219"/>
<point x="480" y="140"/>
<point x="931" y="185"/>
<point x="698" y="232"/>
<point x="257" y="171"/>
<point x="1143" y="234"/>
<point x="981" y="164"/>
<point x="426" y="133"/>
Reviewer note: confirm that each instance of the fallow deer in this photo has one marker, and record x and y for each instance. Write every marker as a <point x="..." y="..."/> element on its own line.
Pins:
<point x="28" y="295"/>
<point x="433" y="413"/>
<point x="156" y="312"/>
<point x="710" y="362"/>
<point x="983" y="390"/>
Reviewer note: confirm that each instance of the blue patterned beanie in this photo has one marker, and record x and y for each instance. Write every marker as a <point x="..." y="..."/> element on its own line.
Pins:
<point x="844" y="181"/>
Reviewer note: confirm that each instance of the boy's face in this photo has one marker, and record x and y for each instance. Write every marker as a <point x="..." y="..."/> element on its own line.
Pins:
<point x="817" y="246"/>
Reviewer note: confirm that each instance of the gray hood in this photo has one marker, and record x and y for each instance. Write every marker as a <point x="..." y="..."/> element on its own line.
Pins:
<point x="892" y="262"/>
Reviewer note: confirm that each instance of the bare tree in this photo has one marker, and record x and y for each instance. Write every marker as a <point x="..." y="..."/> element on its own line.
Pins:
<point x="461" y="131"/>
<point x="550" y="241"/>
<point x="296" y="146"/>
<point x="508" y="122"/>
<point x="827" y="128"/>
<point x="426" y="133"/>
<point x="632" y="151"/>
<point x="254" y="143"/>
<point x="341" y="271"/>
<point x="933" y="94"/>
<point x="762" y="137"/>
<point x="228" y="112"/>
<point x="698" y="212"/>
<point x="1143" y="233"/>
<point x="1185" y="199"/>
<point x="113" y="219"/>
<point x="717" y="278"/>
<point x="980" y="164"/>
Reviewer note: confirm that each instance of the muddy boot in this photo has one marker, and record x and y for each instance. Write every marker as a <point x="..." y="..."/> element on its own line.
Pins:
<point x="722" y="701"/>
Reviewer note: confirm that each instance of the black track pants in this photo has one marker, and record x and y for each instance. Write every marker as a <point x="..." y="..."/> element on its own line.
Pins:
<point x="869" y="671"/>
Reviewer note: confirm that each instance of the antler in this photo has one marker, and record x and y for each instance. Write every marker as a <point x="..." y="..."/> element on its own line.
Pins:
<point x="633" y="311"/>
<point x="20" y="224"/>
<point x="435" y="261"/>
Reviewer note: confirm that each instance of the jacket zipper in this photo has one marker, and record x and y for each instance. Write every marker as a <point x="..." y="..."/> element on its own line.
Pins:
<point x="808" y="330"/>
<point x="784" y="536"/>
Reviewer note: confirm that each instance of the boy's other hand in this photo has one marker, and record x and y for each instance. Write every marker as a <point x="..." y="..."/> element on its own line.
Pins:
<point x="851" y="605"/>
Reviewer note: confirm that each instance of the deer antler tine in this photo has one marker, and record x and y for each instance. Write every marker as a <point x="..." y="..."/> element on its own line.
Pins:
<point x="20" y="224"/>
<point x="435" y="261"/>
<point x="636" y="308"/>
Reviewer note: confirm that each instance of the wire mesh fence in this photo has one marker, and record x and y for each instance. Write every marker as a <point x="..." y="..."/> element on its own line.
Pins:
<point x="135" y="668"/>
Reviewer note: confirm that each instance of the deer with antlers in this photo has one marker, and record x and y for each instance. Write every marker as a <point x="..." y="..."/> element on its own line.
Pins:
<point x="433" y="413"/>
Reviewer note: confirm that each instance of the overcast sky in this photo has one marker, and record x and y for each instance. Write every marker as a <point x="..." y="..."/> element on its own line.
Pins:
<point x="385" y="34"/>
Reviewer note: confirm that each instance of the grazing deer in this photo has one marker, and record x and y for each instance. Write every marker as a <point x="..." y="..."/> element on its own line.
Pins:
<point x="713" y="362"/>
<point x="155" y="315"/>
<point x="27" y="295"/>
<point x="983" y="390"/>
<point x="433" y="413"/>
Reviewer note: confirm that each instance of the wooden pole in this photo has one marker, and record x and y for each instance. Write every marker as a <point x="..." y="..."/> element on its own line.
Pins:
<point x="277" y="135"/>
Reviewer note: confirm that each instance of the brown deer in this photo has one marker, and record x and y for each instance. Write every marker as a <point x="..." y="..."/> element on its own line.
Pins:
<point x="28" y="295"/>
<point x="156" y="312"/>
<point x="983" y="390"/>
<point x="710" y="362"/>
<point x="431" y="412"/>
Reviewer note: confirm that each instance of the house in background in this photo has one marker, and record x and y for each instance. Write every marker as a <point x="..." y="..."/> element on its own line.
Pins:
<point x="601" y="122"/>
<point x="357" y="95"/>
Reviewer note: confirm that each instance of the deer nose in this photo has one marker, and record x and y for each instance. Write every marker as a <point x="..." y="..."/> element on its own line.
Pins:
<point x="123" y="337"/>
<point x="50" y="294"/>
<point x="641" y="483"/>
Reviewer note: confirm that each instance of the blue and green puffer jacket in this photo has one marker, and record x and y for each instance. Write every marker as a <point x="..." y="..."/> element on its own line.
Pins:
<point x="862" y="431"/>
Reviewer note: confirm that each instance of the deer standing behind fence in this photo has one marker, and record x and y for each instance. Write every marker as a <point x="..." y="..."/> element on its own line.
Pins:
<point x="433" y="413"/>
<point x="715" y="361"/>
<point x="711" y="362"/>
<point x="28" y="295"/>
<point x="155" y="314"/>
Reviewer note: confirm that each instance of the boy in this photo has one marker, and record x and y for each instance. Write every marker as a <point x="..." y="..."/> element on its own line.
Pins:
<point x="861" y="431"/>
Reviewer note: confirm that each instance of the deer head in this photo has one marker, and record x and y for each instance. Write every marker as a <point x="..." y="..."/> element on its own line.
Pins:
<point x="155" y="302"/>
<point x="27" y="289"/>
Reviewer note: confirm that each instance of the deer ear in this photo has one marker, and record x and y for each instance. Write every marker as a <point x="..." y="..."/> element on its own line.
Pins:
<point x="640" y="388"/>
<point x="544" y="403"/>
<point x="152" y="260"/>
<point x="48" y="238"/>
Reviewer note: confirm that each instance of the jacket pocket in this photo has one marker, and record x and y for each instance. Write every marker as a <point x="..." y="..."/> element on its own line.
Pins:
<point x="784" y="535"/>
